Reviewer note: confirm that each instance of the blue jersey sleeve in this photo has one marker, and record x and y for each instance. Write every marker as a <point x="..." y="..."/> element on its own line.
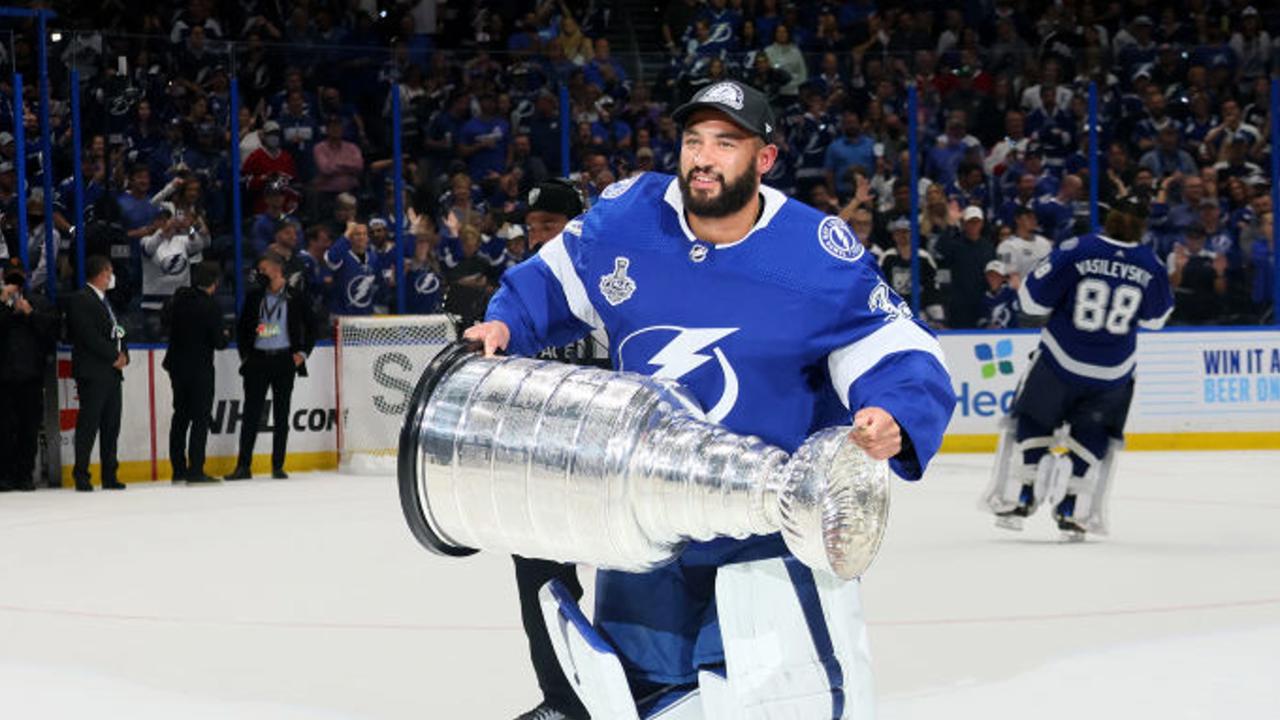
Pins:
<point x="883" y="357"/>
<point x="543" y="300"/>
<point x="1051" y="280"/>
<point x="1157" y="300"/>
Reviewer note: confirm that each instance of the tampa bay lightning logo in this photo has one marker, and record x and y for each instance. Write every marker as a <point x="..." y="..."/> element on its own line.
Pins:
<point x="173" y="263"/>
<point x="671" y="352"/>
<point x="360" y="291"/>
<point x="426" y="284"/>
<point x="837" y="239"/>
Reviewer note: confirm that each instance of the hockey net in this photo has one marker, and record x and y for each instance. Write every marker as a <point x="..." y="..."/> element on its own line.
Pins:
<point x="377" y="363"/>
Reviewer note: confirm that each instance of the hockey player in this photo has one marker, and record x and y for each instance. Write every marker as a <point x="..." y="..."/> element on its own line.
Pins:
<point x="775" y="318"/>
<point x="1097" y="291"/>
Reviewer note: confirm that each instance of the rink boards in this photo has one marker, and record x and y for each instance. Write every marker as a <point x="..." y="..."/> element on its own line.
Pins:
<point x="1208" y="389"/>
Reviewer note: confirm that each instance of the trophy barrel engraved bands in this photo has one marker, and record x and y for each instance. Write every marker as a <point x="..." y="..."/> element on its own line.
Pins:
<point x="617" y="470"/>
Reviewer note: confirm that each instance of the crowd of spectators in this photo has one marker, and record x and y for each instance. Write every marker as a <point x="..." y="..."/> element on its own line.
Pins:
<point x="1002" y="115"/>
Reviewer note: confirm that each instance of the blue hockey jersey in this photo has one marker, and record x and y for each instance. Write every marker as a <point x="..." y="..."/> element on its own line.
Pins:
<point x="356" y="281"/>
<point x="1097" y="293"/>
<point x="778" y="335"/>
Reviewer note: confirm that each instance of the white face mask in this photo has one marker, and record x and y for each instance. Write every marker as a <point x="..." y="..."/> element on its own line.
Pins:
<point x="111" y="282"/>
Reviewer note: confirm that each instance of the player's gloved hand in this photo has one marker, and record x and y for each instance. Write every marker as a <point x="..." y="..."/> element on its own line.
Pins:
<point x="876" y="433"/>
<point x="493" y="333"/>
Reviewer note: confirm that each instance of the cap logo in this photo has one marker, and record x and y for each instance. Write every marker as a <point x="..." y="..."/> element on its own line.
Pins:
<point x="533" y="195"/>
<point x="837" y="239"/>
<point x="724" y="93"/>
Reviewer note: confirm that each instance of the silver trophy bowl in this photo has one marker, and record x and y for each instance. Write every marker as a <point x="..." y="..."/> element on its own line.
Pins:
<point x="617" y="470"/>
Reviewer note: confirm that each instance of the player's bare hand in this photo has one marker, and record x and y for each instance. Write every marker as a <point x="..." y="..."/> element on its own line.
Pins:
<point x="494" y="334"/>
<point x="876" y="433"/>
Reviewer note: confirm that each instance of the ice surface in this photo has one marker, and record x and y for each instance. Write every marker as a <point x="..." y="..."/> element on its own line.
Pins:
<point x="308" y="598"/>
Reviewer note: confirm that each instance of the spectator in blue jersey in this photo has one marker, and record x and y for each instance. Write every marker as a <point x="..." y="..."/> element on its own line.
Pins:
<point x="1000" y="302"/>
<point x="964" y="254"/>
<point x="970" y="186"/>
<point x="264" y="223"/>
<point x="1170" y="219"/>
<point x="717" y="228"/>
<point x="357" y="272"/>
<point x="424" y="276"/>
<point x="484" y="139"/>
<point x="850" y="150"/>
<point x="1262" y="269"/>
<point x="1056" y="213"/>
<point x="604" y="71"/>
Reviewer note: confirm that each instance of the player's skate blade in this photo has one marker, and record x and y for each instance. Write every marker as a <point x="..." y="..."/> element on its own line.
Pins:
<point x="1014" y="519"/>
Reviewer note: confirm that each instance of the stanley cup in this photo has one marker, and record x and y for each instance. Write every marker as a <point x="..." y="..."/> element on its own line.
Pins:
<point x="616" y="470"/>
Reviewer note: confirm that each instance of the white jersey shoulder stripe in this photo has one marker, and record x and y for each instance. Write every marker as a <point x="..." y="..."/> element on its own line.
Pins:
<point x="1084" y="369"/>
<point x="1029" y="304"/>
<point x="557" y="259"/>
<point x="853" y="360"/>
<point x="1156" y="323"/>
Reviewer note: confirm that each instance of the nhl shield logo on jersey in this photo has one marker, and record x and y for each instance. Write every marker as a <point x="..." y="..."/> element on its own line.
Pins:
<point x="616" y="287"/>
<point x="616" y="189"/>
<point x="837" y="239"/>
<point x="723" y="93"/>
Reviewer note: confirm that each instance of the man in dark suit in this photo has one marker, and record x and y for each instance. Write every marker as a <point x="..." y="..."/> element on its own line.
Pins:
<point x="28" y="333"/>
<point x="98" y="357"/>
<point x="275" y="334"/>
<point x="196" y="331"/>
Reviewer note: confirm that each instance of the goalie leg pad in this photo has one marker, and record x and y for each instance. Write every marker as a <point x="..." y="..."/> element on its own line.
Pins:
<point x="588" y="661"/>
<point x="795" y="645"/>
<point x="1053" y="478"/>
<point x="1092" y="489"/>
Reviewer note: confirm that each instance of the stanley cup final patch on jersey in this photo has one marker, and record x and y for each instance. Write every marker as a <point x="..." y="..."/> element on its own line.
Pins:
<point x="616" y="287"/>
<point x="616" y="189"/>
<point x="837" y="239"/>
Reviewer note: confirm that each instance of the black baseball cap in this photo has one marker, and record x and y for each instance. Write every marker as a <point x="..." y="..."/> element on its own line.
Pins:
<point x="746" y="105"/>
<point x="555" y="196"/>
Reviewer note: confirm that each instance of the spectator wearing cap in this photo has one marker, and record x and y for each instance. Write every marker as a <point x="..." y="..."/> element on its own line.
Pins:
<point x="1251" y="45"/>
<point x="1000" y="306"/>
<point x="963" y="255"/>
<point x="1199" y="279"/>
<point x="895" y="265"/>
<point x="28" y="334"/>
<point x="1134" y="45"/>
<point x="484" y="140"/>
<point x="1167" y="156"/>
<point x="852" y="149"/>
<point x="269" y="163"/>
<point x="338" y="162"/>
<point x="1023" y="248"/>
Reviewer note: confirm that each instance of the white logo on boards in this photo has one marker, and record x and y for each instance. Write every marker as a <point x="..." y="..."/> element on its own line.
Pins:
<point x="838" y="240"/>
<point x="724" y="93"/>
<point x="616" y="287"/>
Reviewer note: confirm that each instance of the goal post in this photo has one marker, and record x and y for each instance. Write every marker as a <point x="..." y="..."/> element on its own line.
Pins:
<point x="377" y="362"/>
